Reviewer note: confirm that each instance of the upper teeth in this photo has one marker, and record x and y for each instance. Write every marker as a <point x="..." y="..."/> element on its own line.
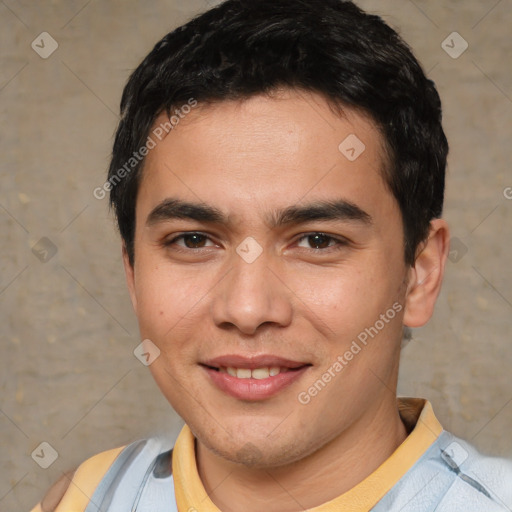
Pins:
<point x="256" y="373"/>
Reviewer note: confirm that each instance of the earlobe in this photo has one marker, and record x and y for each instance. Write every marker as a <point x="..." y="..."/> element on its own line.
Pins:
<point x="129" y="272"/>
<point x="426" y="277"/>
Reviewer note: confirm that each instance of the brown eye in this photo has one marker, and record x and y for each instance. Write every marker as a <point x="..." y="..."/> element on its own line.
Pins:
<point x="318" y="241"/>
<point x="194" y="240"/>
<point x="190" y="241"/>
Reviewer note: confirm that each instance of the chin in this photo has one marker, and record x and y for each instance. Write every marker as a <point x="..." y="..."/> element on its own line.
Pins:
<point x="251" y="449"/>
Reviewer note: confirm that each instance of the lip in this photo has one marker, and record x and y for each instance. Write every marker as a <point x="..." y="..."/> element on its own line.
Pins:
<point x="253" y="389"/>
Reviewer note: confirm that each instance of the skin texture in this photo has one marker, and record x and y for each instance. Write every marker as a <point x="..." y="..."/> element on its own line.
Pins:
<point x="251" y="158"/>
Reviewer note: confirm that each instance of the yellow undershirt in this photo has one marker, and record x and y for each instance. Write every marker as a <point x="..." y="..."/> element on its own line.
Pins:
<point x="418" y="416"/>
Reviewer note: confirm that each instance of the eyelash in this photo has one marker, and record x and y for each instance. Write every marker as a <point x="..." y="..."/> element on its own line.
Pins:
<point x="341" y="242"/>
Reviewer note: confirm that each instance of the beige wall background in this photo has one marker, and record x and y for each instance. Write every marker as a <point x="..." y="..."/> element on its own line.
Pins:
<point x="68" y="374"/>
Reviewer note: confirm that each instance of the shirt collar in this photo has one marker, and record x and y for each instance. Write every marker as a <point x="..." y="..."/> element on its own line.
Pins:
<point x="418" y="417"/>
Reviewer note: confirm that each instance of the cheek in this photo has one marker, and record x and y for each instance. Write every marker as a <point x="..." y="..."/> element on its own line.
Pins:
<point x="342" y="298"/>
<point x="167" y="298"/>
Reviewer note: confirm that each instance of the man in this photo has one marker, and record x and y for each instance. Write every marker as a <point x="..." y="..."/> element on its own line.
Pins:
<point x="278" y="180"/>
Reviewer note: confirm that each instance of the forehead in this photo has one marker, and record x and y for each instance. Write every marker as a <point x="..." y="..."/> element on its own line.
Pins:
<point x="266" y="150"/>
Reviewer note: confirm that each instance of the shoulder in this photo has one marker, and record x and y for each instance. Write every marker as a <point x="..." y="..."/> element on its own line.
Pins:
<point x="452" y="476"/>
<point x="118" y="475"/>
<point x="487" y="481"/>
<point x="76" y="485"/>
<point x="494" y="473"/>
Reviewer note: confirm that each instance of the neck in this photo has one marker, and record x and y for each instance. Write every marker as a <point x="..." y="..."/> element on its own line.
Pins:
<point x="316" y="479"/>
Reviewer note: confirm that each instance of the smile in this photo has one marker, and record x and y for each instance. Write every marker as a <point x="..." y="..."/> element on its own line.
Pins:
<point x="253" y="379"/>
<point x="257" y="373"/>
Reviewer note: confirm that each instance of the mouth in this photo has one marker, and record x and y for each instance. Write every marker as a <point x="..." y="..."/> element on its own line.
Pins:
<point x="256" y="373"/>
<point x="253" y="378"/>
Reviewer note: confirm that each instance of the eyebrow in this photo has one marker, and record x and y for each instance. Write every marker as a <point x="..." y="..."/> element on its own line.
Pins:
<point x="340" y="210"/>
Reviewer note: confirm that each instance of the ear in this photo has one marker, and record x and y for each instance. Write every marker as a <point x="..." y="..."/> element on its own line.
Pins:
<point x="129" y="272"/>
<point x="426" y="276"/>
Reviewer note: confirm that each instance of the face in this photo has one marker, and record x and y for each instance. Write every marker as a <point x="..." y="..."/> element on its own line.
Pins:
<point x="265" y="253"/>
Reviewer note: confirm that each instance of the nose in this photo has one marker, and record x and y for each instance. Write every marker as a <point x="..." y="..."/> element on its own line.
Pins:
<point x="250" y="295"/>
